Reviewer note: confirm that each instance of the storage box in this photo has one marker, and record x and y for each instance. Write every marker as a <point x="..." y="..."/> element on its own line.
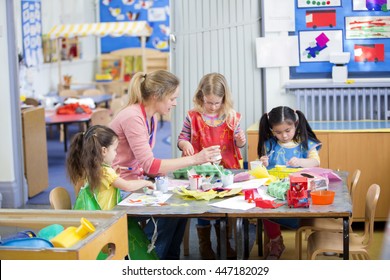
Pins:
<point x="111" y="230"/>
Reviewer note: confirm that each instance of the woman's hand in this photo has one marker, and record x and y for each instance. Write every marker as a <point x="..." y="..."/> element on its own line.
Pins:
<point x="209" y="154"/>
<point x="149" y="184"/>
<point x="240" y="138"/>
<point x="187" y="148"/>
<point x="264" y="160"/>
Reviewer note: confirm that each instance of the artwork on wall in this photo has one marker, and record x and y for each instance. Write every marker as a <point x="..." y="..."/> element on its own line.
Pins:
<point x="367" y="27"/>
<point x="370" y="5"/>
<point x="156" y="13"/>
<point x="317" y="3"/>
<point x="32" y="32"/>
<point x="359" y="27"/>
<point x="316" y="46"/>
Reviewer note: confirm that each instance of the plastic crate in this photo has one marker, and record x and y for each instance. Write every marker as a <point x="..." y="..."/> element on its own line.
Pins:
<point x="205" y="170"/>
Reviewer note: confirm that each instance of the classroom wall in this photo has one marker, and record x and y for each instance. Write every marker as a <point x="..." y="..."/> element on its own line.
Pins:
<point x="45" y="78"/>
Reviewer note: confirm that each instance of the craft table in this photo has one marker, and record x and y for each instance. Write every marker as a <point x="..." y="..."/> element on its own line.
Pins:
<point x="176" y="209"/>
<point x="341" y="208"/>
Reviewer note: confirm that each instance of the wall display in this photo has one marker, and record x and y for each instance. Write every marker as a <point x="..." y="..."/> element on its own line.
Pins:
<point x="156" y="13"/>
<point x="282" y="48"/>
<point x="367" y="27"/>
<point x="32" y="32"/>
<point x="280" y="15"/>
<point x="317" y="3"/>
<point x="317" y="45"/>
<point x="370" y="5"/>
<point x="360" y="27"/>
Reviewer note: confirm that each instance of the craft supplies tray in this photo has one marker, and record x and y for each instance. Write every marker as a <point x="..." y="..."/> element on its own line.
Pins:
<point x="110" y="230"/>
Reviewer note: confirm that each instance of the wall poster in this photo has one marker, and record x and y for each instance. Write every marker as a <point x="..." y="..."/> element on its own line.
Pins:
<point x="32" y="32"/>
<point x="156" y="13"/>
<point x="360" y="27"/>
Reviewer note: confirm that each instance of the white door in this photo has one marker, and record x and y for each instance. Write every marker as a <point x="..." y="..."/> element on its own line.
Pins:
<point x="216" y="36"/>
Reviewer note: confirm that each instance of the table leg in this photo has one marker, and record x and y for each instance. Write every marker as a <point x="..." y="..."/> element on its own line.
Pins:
<point x="346" y="238"/>
<point x="259" y="228"/>
<point x="246" y="238"/>
<point x="65" y="137"/>
<point x="240" y="239"/>
<point x="223" y="236"/>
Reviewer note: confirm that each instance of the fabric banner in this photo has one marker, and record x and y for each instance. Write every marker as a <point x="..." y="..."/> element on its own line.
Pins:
<point x="32" y="32"/>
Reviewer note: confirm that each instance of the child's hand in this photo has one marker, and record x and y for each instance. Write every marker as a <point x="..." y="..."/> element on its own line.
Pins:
<point x="149" y="184"/>
<point x="240" y="138"/>
<point x="264" y="160"/>
<point x="117" y="169"/>
<point x="295" y="162"/>
<point x="187" y="148"/>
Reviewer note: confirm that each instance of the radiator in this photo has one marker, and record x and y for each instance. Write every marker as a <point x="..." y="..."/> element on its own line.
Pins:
<point x="343" y="104"/>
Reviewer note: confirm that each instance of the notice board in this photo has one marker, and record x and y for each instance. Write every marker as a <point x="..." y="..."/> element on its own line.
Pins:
<point x="360" y="27"/>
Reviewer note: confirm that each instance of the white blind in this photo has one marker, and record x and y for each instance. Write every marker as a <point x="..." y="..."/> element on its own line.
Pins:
<point x="216" y="36"/>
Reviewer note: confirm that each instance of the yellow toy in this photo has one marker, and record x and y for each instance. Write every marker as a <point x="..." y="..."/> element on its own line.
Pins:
<point x="71" y="235"/>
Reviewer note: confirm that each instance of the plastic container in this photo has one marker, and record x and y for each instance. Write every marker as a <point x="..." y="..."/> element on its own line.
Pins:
<point x="71" y="235"/>
<point x="322" y="197"/>
<point x="205" y="170"/>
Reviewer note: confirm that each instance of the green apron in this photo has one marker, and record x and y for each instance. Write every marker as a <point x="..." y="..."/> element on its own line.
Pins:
<point x="138" y="242"/>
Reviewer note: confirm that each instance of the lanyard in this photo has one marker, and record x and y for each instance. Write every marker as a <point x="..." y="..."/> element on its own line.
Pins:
<point x="150" y="129"/>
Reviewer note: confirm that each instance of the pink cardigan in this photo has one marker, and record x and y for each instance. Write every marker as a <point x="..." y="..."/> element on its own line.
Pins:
<point x="134" y="149"/>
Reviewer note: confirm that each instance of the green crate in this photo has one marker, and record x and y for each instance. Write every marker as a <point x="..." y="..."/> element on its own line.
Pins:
<point x="205" y="170"/>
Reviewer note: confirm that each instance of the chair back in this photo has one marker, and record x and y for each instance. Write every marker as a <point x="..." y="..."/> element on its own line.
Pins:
<point x="101" y="116"/>
<point x="92" y="91"/>
<point x="352" y="190"/>
<point x="31" y="101"/>
<point x="68" y="93"/>
<point x="116" y="105"/>
<point x="60" y="199"/>
<point x="369" y="214"/>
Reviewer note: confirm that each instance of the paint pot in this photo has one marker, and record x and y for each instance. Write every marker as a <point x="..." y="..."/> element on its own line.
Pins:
<point x="195" y="182"/>
<point x="162" y="184"/>
<point x="227" y="179"/>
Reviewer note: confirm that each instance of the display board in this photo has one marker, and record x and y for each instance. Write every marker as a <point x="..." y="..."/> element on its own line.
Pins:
<point x="360" y="27"/>
<point x="32" y="32"/>
<point x="155" y="13"/>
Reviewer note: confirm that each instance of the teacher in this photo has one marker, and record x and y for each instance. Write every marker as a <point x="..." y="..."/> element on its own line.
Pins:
<point x="136" y="127"/>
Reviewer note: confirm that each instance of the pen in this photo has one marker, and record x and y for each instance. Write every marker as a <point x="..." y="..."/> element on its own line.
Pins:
<point x="125" y="168"/>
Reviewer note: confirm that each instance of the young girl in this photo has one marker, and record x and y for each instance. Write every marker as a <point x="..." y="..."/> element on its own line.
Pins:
<point x="213" y="121"/>
<point x="89" y="160"/>
<point x="285" y="138"/>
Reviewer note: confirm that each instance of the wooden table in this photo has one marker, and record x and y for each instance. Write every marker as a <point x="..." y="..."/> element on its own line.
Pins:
<point x="52" y="118"/>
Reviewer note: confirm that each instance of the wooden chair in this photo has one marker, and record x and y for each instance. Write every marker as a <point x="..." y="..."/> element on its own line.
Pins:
<point x="116" y="105"/>
<point x="92" y="91"/>
<point x="69" y="93"/>
<point x="60" y="198"/>
<point x="101" y="116"/>
<point x="325" y="224"/>
<point x="324" y="241"/>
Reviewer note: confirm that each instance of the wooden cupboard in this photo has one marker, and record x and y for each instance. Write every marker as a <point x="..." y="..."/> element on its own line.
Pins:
<point x="35" y="150"/>
<point x="348" y="150"/>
